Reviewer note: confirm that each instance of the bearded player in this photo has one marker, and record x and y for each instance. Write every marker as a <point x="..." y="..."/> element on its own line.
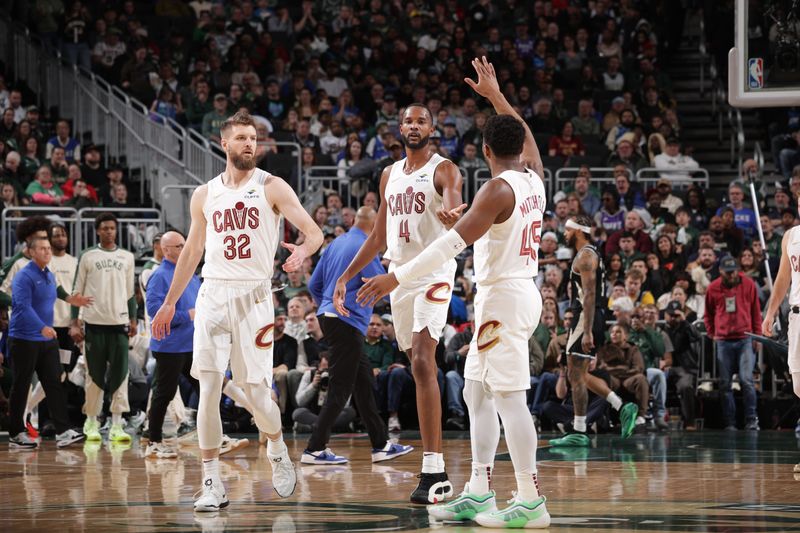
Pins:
<point x="413" y="190"/>
<point x="236" y="218"/>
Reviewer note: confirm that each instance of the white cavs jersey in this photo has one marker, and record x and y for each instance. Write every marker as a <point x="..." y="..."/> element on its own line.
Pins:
<point x="510" y="250"/>
<point x="411" y="205"/>
<point x="793" y="250"/>
<point x="241" y="231"/>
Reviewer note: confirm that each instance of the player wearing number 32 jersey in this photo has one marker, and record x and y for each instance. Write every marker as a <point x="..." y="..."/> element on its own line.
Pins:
<point x="235" y="218"/>
<point x="505" y="224"/>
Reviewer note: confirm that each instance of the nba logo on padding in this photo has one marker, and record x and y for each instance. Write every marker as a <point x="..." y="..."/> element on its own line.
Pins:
<point x="755" y="73"/>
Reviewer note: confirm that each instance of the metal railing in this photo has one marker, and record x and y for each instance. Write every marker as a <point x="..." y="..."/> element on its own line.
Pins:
<point x="682" y="177"/>
<point x="567" y="175"/>
<point x="134" y="232"/>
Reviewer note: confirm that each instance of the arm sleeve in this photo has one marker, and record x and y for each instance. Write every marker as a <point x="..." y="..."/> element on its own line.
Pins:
<point x="317" y="281"/>
<point x="23" y="303"/>
<point x="439" y="252"/>
<point x="62" y="293"/>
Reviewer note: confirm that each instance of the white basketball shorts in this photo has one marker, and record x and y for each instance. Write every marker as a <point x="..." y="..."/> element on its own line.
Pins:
<point x="794" y="342"/>
<point x="423" y="305"/>
<point x="234" y="323"/>
<point x="506" y="313"/>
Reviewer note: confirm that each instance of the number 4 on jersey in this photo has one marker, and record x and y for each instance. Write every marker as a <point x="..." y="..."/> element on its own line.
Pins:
<point x="530" y="235"/>
<point x="404" y="233"/>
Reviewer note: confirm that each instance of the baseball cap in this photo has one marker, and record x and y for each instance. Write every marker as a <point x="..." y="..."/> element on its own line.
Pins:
<point x="673" y="307"/>
<point x="618" y="100"/>
<point x="91" y="148"/>
<point x="436" y="135"/>
<point x="32" y="109"/>
<point x="663" y="181"/>
<point x="395" y="144"/>
<point x="389" y="98"/>
<point x="387" y="318"/>
<point x="673" y="140"/>
<point x="449" y="121"/>
<point x="280" y="311"/>
<point x="157" y="237"/>
<point x="220" y="96"/>
<point x="728" y="264"/>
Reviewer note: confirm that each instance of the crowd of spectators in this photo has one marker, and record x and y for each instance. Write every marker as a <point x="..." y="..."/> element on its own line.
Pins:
<point x="589" y="77"/>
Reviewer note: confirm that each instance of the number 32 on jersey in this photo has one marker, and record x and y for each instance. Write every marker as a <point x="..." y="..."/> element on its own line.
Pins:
<point x="530" y="235"/>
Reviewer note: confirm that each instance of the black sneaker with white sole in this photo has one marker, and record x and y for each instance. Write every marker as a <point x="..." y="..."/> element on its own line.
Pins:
<point x="22" y="441"/>
<point x="432" y="488"/>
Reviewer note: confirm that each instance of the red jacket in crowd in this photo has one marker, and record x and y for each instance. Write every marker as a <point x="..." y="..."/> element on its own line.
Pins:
<point x="723" y="324"/>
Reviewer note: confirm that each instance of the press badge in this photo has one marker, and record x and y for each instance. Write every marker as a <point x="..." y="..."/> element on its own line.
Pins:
<point x="730" y="304"/>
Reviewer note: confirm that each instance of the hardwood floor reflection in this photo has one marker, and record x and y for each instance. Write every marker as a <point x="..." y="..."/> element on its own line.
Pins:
<point x="677" y="482"/>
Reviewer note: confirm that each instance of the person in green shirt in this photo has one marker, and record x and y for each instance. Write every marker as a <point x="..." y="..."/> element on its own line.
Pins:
<point x="43" y="190"/>
<point x="392" y="377"/>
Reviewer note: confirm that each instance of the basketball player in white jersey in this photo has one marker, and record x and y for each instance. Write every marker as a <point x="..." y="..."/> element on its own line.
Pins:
<point x="413" y="190"/>
<point x="788" y="280"/>
<point x="235" y="218"/>
<point x="505" y="223"/>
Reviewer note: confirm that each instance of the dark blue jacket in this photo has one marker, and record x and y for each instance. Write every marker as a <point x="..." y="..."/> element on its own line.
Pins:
<point x="333" y="263"/>
<point x="34" y="291"/>
<point x="182" y="327"/>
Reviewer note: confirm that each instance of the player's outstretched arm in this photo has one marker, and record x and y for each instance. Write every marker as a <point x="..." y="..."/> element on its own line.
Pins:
<point x="494" y="199"/>
<point x="285" y="201"/>
<point x="488" y="87"/>
<point x="448" y="179"/>
<point x="779" y="289"/>
<point x="187" y="264"/>
<point x="375" y="244"/>
<point x="586" y="265"/>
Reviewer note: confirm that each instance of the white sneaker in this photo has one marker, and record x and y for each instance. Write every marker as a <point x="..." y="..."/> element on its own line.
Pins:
<point x="230" y="444"/>
<point x="68" y="437"/>
<point x="394" y="424"/>
<point x="284" y="478"/>
<point x="213" y="497"/>
<point x="22" y="441"/>
<point x="160" y="450"/>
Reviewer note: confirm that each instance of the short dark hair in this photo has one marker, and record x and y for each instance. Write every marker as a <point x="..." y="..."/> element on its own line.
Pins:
<point x="626" y="235"/>
<point x="33" y="240"/>
<point x="423" y="106"/>
<point x="504" y="135"/>
<point x="31" y="225"/>
<point x="240" y="118"/>
<point x="583" y="220"/>
<point x="104" y="217"/>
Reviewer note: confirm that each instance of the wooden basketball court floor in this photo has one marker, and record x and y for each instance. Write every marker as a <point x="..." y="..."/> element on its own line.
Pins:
<point x="704" y="481"/>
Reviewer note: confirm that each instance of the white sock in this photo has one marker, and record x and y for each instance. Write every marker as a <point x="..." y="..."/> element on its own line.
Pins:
<point x="579" y="424"/>
<point x="237" y="395"/>
<point x="527" y="486"/>
<point x="614" y="400"/>
<point x="211" y="470"/>
<point x="480" y="482"/>
<point x="440" y="461"/>
<point x="116" y="419"/>
<point x="92" y="419"/>
<point x="276" y="447"/>
<point x="430" y="463"/>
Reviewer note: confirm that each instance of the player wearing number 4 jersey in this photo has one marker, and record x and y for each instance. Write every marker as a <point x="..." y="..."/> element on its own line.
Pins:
<point x="788" y="280"/>
<point x="505" y="224"/>
<point x="235" y="217"/>
<point x="415" y="191"/>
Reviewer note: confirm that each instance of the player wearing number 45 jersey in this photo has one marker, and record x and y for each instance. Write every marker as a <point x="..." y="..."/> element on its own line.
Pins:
<point x="788" y="280"/>
<point x="505" y="223"/>
<point x="415" y="191"/>
<point x="235" y="217"/>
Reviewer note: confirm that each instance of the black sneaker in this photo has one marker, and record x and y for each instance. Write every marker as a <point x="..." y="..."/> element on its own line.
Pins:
<point x="432" y="488"/>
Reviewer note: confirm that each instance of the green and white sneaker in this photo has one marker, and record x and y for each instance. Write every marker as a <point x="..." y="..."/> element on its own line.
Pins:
<point x="117" y="434"/>
<point x="574" y="439"/>
<point x="465" y="507"/>
<point x="627" y="419"/>
<point x="520" y="514"/>
<point x="92" y="431"/>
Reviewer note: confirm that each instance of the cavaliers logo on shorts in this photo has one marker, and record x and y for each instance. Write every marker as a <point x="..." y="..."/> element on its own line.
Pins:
<point x="488" y="335"/>
<point x="438" y="293"/>
<point x="264" y="337"/>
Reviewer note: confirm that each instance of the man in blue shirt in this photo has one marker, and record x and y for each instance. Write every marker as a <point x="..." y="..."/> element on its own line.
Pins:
<point x="173" y="354"/>
<point x="349" y="368"/>
<point x="33" y="347"/>
<point x="744" y="217"/>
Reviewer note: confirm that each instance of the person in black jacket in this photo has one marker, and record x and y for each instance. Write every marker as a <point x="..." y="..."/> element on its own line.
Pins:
<point x="455" y="356"/>
<point x="284" y="358"/>
<point x="682" y="369"/>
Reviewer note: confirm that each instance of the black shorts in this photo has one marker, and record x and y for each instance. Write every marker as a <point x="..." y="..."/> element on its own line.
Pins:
<point x="575" y="338"/>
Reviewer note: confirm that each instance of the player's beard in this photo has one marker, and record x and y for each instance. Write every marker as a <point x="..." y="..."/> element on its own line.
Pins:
<point x="421" y="143"/>
<point x="572" y="240"/>
<point x="241" y="163"/>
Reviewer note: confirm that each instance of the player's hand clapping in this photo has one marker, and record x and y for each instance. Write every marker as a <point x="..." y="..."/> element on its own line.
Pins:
<point x="376" y="288"/>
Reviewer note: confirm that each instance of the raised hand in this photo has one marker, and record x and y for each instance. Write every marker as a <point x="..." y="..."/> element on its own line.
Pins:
<point x="450" y="217"/>
<point x="487" y="79"/>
